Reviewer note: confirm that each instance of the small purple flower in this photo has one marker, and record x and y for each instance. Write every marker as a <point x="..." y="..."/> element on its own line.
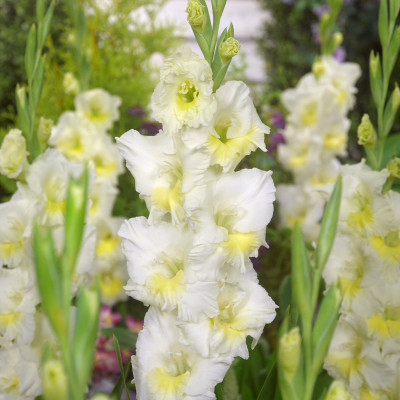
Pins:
<point x="151" y="128"/>
<point x="289" y="2"/>
<point x="137" y="111"/>
<point x="339" y="54"/>
<point x="257" y="261"/>
<point x="277" y="120"/>
<point x="274" y="141"/>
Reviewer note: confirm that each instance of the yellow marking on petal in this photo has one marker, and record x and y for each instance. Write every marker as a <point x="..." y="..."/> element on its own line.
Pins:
<point x="298" y="160"/>
<point x="241" y="243"/>
<point x="225" y="150"/>
<point x="169" y="200"/>
<point x="110" y="285"/>
<point x="72" y="146"/>
<point x="334" y="141"/>
<point x="387" y="247"/>
<point x="55" y="207"/>
<point x="376" y="324"/>
<point x="342" y="95"/>
<point x="309" y="114"/>
<point x="186" y="95"/>
<point x="350" y="287"/>
<point x="163" y="384"/>
<point x="345" y="366"/>
<point x="103" y="166"/>
<point x="165" y="287"/>
<point x="96" y="112"/>
<point x="7" y="319"/>
<point x="363" y="217"/>
<point x="320" y="179"/>
<point x="9" y="248"/>
<point x="107" y="245"/>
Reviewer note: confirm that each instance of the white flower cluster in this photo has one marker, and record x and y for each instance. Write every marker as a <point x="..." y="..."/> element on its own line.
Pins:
<point x="81" y="136"/>
<point x="315" y="134"/>
<point x="365" y="259"/>
<point x="24" y="331"/>
<point x="190" y="259"/>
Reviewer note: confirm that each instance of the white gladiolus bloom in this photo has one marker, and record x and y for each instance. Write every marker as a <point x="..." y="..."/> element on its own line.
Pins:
<point x="166" y="369"/>
<point x="13" y="154"/>
<point x="98" y="107"/>
<point x="16" y="221"/>
<point x="47" y="181"/>
<point x="244" y="309"/>
<point x="74" y="137"/>
<point x="19" y="375"/>
<point x="184" y="95"/>
<point x="101" y="197"/>
<point x="18" y="300"/>
<point x="236" y="129"/>
<point x="160" y="272"/>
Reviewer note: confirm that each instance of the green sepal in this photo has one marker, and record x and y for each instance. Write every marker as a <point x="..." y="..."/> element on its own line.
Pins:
<point x="85" y="333"/>
<point x="203" y="44"/>
<point x="48" y="278"/>
<point x="392" y="148"/>
<point x="30" y="53"/>
<point x="392" y="53"/>
<point x="301" y="275"/>
<point x="217" y="62"/>
<point x="328" y="225"/>
<point x="23" y="112"/>
<point x="324" y="326"/>
<point x="375" y="77"/>
<point x="207" y="32"/>
<point x="121" y="366"/>
<point x="39" y="10"/>
<point x="44" y="26"/>
<point x="77" y="194"/>
<point x="37" y="83"/>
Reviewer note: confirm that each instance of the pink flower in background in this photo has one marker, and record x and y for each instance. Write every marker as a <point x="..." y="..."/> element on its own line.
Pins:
<point x="134" y="325"/>
<point x="108" y="319"/>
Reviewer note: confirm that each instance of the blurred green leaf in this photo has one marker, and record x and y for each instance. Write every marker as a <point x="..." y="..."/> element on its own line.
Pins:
<point x="392" y="148"/>
<point x="383" y="23"/>
<point x="285" y="294"/>
<point x="126" y="338"/>
<point x="118" y="352"/>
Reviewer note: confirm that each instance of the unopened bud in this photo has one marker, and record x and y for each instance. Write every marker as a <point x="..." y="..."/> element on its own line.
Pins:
<point x="70" y="84"/>
<point x="54" y="381"/>
<point x="337" y="391"/>
<point x="325" y="18"/>
<point x="396" y="98"/>
<point x="366" y="133"/>
<point x="318" y="68"/>
<point x="100" y="396"/>
<point x="393" y="167"/>
<point x="228" y="49"/>
<point x="13" y="154"/>
<point x="44" y="131"/>
<point x="196" y="15"/>
<point x="337" y="39"/>
<point x="289" y="352"/>
<point x="21" y="95"/>
<point x="373" y="64"/>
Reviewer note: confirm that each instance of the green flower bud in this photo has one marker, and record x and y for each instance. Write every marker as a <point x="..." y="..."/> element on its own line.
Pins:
<point x="70" y="84"/>
<point x="44" y="131"/>
<point x="337" y="391"/>
<point x="100" y="396"/>
<point x="54" y="381"/>
<point x="21" y="94"/>
<point x="289" y="352"/>
<point x="393" y="167"/>
<point x="228" y="49"/>
<point x="396" y="98"/>
<point x="196" y="15"/>
<point x="366" y="133"/>
<point x="318" y="68"/>
<point x="373" y="64"/>
<point x="337" y="39"/>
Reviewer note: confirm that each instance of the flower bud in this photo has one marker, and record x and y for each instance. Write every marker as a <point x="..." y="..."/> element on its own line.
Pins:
<point x="54" y="381"/>
<point x="366" y="133"/>
<point x="228" y="49"/>
<point x="44" y="131"/>
<point x="373" y="64"/>
<point x="337" y="391"/>
<point x="70" y="84"/>
<point x="100" y="396"/>
<point x="13" y="154"/>
<point x="393" y="167"/>
<point x="196" y="15"/>
<point x="21" y="94"/>
<point x="337" y="39"/>
<point x="289" y="352"/>
<point x="318" y="68"/>
<point x="396" y="98"/>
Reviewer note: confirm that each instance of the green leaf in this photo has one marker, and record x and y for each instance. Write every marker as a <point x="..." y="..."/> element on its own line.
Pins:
<point x="285" y="294"/>
<point x="301" y="283"/>
<point x="45" y="25"/>
<point x="119" y="386"/>
<point x="324" y="326"/>
<point x="85" y="333"/>
<point x="126" y="338"/>
<point x="37" y="83"/>
<point x="118" y="352"/>
<point x="392" y="53"/>
<point x="39" y="9"/>
<point x="268" y="387"/>
<point x="328" y="225"/>
<point x="48" y="278"/>
<point x="392" y="148"/>
<point x="389" y="115"/>
<point x="383" y="24"/>
<point x="77" y="194"/>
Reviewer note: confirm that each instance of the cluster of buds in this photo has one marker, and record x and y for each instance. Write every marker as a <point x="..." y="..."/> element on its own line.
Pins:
<point x="190" y="259"/>
<point x="81" y="136"/>
<point x="365" y="260"/>
<point x="315" y="134"/>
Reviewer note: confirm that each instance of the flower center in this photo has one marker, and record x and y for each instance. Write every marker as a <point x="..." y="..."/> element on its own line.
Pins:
<point x="187" y="92"/>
